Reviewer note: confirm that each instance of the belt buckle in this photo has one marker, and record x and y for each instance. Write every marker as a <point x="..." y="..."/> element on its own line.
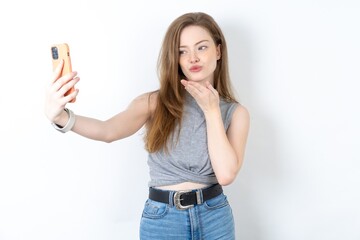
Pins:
<point x="177" y="200"/>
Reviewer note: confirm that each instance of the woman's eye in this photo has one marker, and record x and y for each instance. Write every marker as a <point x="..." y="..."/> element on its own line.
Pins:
<point x="181" y="52"/>
<point x="202" y="47"/>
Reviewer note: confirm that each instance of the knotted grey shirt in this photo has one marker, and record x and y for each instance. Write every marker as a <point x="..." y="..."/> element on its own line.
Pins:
<point x="188" y="158"/>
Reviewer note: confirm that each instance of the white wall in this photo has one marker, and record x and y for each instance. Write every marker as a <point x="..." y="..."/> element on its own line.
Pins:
<point x="294" y="64"/>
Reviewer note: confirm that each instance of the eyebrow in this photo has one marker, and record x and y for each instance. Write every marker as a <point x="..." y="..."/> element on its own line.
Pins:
<point x="197" y="43"/>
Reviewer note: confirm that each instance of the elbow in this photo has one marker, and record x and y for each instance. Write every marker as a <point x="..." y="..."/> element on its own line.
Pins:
<point x="226" y="179"/>
<point x="108" y="138"/>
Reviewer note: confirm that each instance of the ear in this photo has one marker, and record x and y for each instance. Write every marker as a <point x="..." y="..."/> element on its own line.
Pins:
<point x="218" y="52"/>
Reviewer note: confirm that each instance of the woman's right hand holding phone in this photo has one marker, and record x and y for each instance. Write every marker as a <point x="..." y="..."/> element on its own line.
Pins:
<point x="56" y="100"/>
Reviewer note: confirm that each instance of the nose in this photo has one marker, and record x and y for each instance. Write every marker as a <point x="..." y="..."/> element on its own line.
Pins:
<point x="194" y="58"/>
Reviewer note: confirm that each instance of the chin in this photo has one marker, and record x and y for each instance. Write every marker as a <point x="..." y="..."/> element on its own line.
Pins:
<point x="195" y="79"/>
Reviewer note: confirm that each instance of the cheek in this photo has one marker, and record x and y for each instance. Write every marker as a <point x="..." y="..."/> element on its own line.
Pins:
<point x="211" y="60"/>
<point x="212" y="65"/>
<point x="182" y="65"/>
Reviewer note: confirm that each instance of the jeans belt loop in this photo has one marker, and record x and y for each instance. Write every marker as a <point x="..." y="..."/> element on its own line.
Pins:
<point x="171" y="198"/>
<point x="199" y="197"/>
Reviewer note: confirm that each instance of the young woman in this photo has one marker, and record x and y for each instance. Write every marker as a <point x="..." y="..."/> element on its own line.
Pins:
<point x="196" y="132"/>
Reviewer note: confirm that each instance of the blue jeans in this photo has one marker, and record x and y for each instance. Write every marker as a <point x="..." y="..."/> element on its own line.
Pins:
<point x="208" y="221"/>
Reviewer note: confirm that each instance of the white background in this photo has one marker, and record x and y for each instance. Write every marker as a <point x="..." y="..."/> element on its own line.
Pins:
<point x="294" y="65"/>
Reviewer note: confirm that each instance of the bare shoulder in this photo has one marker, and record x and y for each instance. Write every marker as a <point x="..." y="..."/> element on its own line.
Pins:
<point x="146" y="100"/>
<point x="242" y="111"/>
<point x="241" y="117"/>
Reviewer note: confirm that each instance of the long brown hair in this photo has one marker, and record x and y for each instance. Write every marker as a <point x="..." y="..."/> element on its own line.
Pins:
<point x="170" y="97"/>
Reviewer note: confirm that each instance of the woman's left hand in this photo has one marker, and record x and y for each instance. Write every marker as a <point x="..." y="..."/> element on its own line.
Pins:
<point x="206" y="96"/>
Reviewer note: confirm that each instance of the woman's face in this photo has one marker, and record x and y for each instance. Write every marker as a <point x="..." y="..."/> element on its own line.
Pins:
<point x="198" y="54"/>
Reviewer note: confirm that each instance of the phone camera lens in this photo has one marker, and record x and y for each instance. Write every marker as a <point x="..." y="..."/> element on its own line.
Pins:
<point x="55" y="53"/>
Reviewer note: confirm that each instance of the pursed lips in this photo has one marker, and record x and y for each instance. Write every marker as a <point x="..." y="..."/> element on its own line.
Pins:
<point x="195" y="68"/>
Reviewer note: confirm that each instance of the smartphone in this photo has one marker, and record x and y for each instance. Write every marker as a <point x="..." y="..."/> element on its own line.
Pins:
<point x="58" y="52"/>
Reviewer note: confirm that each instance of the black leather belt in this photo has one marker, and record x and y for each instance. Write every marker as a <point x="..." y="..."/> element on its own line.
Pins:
<point x="185" y="199"/>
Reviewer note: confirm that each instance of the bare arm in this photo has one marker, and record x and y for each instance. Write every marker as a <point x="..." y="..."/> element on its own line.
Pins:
<point x="117" y="127"/>
<point x="226" y="149"/>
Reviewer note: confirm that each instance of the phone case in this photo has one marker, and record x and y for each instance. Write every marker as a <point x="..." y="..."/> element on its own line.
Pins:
<point x="58" y="52"/>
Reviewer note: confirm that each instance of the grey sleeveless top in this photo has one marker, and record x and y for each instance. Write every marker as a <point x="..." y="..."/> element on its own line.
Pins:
<point x="187" y="159"/>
